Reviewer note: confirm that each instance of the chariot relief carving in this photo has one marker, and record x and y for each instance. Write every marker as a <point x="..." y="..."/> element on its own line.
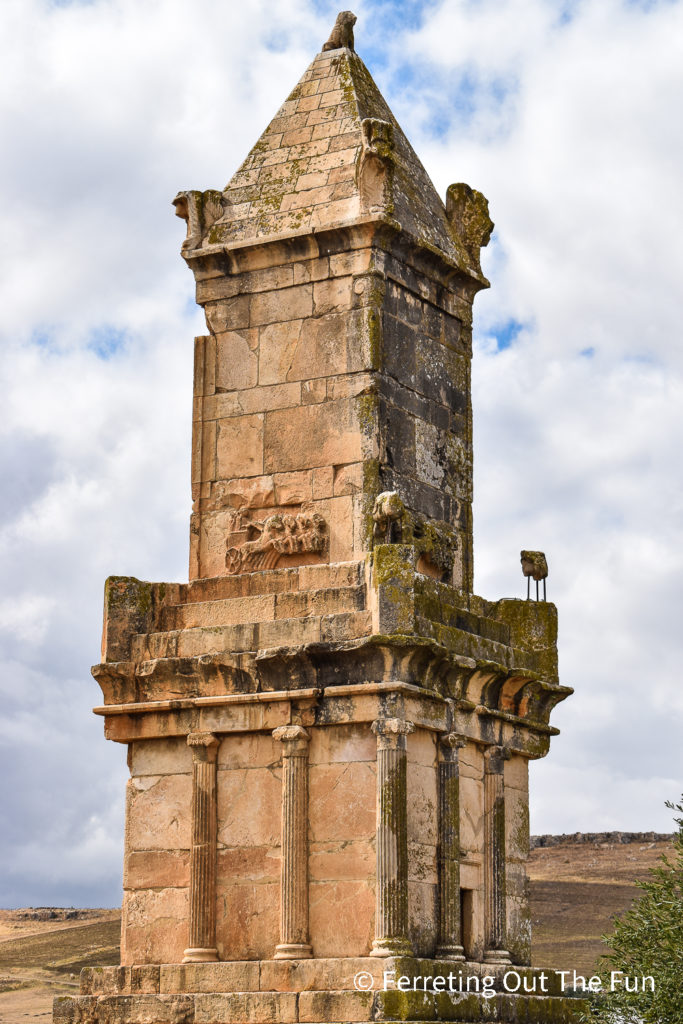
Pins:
<point x="277" y="535"/>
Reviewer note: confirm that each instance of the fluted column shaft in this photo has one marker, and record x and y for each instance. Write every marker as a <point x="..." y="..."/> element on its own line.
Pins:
<point x="450" y="930"/>
<point x="294" y="943"/>
<point x="391" y="913"/>
<point x="202" y="947"/>
<point x="494" y="856"/>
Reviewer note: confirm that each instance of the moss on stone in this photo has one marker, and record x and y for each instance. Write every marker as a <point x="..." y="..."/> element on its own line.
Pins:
<point x="128" y="593"/>
<point x="520" y="828"/>
<point x="394" y="1005"/>
<point x="393" y="563"/>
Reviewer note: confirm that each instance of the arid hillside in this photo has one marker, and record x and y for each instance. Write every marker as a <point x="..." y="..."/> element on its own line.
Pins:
<point x="42" y="950"/>
<point x="578" y="884"/>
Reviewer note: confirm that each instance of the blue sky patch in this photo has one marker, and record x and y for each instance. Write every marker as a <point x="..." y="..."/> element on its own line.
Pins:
<point x="107" y="341"/>
<point x="506" y="333"/>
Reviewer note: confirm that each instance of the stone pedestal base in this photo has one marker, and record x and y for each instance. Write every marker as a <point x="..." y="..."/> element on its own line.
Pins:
<point x="389" y="948"/>
<point x="314" y="991"/>
<point x="496" y="957"/>
<point x="452" y="953"/>
<point x="200" y="956"/>
<point x="293" y="951"/>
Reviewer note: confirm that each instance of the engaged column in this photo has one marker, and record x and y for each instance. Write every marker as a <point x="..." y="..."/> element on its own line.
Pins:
<point x="202" y="948"/>
<point x="391" y="914"/>
<point x="294" y="943"/>
<point x="494" y="856"/>
<point x="450" y="928"/>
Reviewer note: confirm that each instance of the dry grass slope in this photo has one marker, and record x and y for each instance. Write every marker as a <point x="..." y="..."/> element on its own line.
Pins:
<point x="576" y="891"/>
<point x="42" y="952"/>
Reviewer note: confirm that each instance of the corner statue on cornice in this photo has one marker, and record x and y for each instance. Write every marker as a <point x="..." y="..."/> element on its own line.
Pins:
<point x="342" y="33"/>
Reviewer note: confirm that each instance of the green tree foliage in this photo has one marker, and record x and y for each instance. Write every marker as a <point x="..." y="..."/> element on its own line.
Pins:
<point x="648" y="942"/>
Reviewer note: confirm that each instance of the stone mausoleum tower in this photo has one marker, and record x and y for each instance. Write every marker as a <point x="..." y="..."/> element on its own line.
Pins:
<point x="328" y="733"/>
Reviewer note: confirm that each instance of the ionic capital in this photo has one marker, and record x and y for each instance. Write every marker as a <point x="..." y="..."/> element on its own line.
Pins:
<point x="494" y="760"/>
<point x="294" y="738"/>
<point x="391" y="732"/>
<point x="204" y="745"/>
<point x="451" y="743"/>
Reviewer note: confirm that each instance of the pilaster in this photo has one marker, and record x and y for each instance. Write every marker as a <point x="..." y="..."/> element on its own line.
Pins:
<point x="494" y="856"/>
<point x="391" y="914"/>
<point x="202" y="947"/>
<point x="294" y="943"/>
<point x="450" y="930"/>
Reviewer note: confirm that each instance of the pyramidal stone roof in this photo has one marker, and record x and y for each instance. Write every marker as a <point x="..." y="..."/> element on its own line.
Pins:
<point x="302" y="174"/>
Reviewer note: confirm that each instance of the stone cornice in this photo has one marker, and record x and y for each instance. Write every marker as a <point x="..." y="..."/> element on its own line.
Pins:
<point x="358" y="232"/>
<point x="473" y="696"/>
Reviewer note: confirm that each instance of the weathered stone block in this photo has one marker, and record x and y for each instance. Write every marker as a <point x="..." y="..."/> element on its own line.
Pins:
<point x="240" y="976"/>
<point x="422" y="803"/>
<point x="236" y="360"/>
<point x="246" y="1008"/>
<point x="247" y="920"/>
<point x="395" y="1005"/>
<point x="239" y="446"/>
<point x="161" y="757"/>
<point x="249" y="807"/>
<point x="157" y="816"/>
<point x="281" y="305"/>
<point x="342" y="744"/>
<point x="145" y="978"/>
<point x="354" y="818"/>
<point x="278" y="343"/>
<point x="334" y="861"/>
<point x="249" y="864"/>
<point x="310" y="436"/>
<point x="154" y="926"/>
<point x="288" y="632"/>
<point x="154" y="869"/>
<point x="145" y="1009"/>
<point x="422" y="915"/>
<point x="248" y="750"/>
<point x="328" y="1006"/>
<point x="350" y="901"/>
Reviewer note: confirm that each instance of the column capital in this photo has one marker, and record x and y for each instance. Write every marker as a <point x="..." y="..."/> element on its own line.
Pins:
<point x="390" y="732"/>
<point x="294" y="737"/>
<point x="204" y="745"/>
<point x="494" y="760"/>
<point x="451" y="742"/>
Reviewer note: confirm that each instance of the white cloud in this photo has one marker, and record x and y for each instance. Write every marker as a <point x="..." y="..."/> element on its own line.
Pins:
<point x="570" y="127"/>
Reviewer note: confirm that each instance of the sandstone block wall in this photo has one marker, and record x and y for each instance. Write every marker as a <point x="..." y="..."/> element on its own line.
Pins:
<point x="326" y="379"/>
<point x="341" y="836"/>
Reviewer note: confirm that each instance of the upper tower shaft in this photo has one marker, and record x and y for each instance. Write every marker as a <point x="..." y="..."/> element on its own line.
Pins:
<point x="337" y="288"/>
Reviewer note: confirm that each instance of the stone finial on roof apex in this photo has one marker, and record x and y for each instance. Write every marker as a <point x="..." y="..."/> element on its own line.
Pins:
<point x="342" y="33"/>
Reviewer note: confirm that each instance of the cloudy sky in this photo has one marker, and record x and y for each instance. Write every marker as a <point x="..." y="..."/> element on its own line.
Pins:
<point x="567" y="116"/>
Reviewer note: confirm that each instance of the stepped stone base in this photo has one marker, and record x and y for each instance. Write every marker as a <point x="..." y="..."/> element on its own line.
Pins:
<point x="315" y="992"/>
